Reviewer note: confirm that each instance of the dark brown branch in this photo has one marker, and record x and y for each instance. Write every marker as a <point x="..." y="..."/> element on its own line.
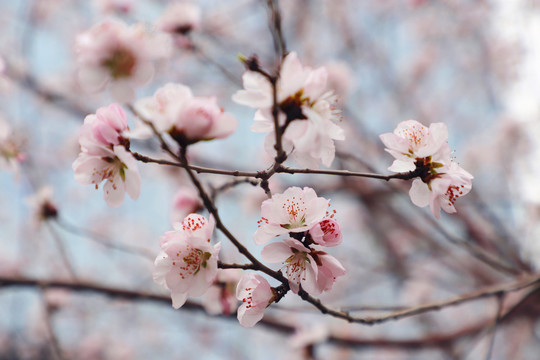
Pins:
<point x="198" y="169"/>
<point x="402" y="176"/>
<point x="209" y="204"/>
<point x="236" y="266"/>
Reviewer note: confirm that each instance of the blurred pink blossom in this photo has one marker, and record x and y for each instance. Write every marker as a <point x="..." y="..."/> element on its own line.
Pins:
<point x="113" y="52"/>
<point x="220" y="297"/>
<point x="180" y="18"/>
<point x="185" y="201"/>
<point x="11" y="148"/>
<point x="185" y="117"/>
<point x="41" y="205"/>
<point x="114" y="6"/>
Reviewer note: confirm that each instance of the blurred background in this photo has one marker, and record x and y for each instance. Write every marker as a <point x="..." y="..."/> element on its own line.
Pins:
<point x="473" y="65"/>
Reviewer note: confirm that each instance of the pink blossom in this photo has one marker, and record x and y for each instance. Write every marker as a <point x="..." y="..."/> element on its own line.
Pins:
<point x="180" y="18"/>
<point x="185" y="201"/>
<point x="300" y="267"/>
<point x="221" y="296"/>
<point x="329" y="269"/>
<point x="114" y="6"/>
<point x="187" y="264"/>
<point x="306" y="107"/>
<point x="116" y="166"/>
<point x="296" y="210"/>
<point x="315" y="270"/>
<point x="256" y="294"/>
<point x="443" y="190"/>
<point x="426" y="151"/>
<point x="41" y="205"/>
<point x="105" y="128"/>
<point x="185" y="117"/>
<point x="197" y="226"/>
<point x="113" y="52"/>
<point x="11" y="148"/>
<point x="412" y="140"/>
<point x="326" y="233"/>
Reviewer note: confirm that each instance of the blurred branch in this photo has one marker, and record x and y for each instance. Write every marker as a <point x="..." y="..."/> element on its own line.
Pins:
<point x="102" y="240"/>
<point x="62" y="251"/>
<point x="496" y="290"/>
<point x="275" y="26"/>
<point x="30" y="83"/>
<point x="493" y="328"/>
<point x="55" y="344"/>
<point x="432" y="340"/>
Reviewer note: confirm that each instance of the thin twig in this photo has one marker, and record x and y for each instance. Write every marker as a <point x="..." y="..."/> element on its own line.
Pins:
<point x="102" y="240"/>
<point x="401" y="176"/>
<point x="228" y="74"/>
<point x="55" y="344"/>
<point x="493" y="327"/>
<point x="198" y="169"/>
<point x="208" y="203"/>
<point x="62" y="251"/>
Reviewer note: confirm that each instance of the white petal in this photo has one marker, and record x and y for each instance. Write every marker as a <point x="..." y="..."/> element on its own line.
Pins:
<point x="402" y="165"/>
<point x="178" y="299"/>
<point x="276" y="252"/>
<point x="419" y="193"/>
<point x="113" y="191"/>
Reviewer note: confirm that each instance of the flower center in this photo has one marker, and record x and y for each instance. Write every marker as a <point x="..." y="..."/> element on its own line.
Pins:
<point x="292" y="106"/>
<point x="296" y="209"/>
<point x="109" y="172"/>
<point x="415" y="134"/>
<point x="193" y="261"/>
<point x="453" y="192"/>
<point x="194" y="223"/>
<point x="121" y="63"/>
<point x="296" y="266"/>
<point x="8" y="150"/>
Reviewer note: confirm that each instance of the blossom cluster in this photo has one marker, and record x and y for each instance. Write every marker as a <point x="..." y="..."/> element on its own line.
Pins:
<point x="426" y="152"/>
<point x="188" y="119"/>
<point x="188" y="266"/>
<point x="307" y="113"/>
<point x="303" y="216"/>
<point x="187" y="263"/>
<point x="105" y="155"/>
